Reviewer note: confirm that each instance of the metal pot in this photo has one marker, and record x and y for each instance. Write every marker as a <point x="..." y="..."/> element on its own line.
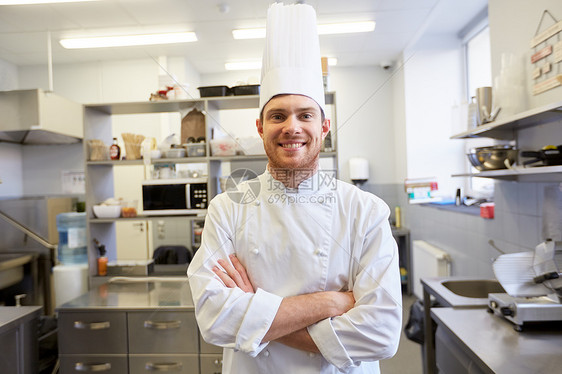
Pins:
<point x="493" y="157"/>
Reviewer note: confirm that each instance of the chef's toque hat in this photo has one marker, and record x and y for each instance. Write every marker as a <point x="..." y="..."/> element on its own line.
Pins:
<point x="291" y="58"/>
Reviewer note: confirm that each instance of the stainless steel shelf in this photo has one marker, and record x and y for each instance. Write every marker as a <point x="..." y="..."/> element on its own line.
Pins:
<point x="531" y="174"/>
<point x="506" y="128"/>
<point x="180" y="160"/>
<point x="144" y="107"/>
<point x="199" y="215"/>
<point x="168" y="106"/>
<point x="116" y="162"/>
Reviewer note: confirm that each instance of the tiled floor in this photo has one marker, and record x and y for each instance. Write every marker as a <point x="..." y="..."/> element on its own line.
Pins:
<point x="408" y="359"/>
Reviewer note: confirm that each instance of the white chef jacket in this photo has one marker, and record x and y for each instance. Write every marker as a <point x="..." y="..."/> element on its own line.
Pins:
<point x="327" y="235"/>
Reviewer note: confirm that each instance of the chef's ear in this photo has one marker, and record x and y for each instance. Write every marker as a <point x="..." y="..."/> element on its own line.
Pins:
<point x="326" y="127"/>
<point x="259" y="126"/>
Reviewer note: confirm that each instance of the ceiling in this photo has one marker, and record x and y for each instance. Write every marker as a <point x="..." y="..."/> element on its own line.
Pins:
<point x="24" y="29"/>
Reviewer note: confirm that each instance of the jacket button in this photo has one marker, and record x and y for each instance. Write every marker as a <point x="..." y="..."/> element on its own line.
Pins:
<point x="257" y="203"/>
<point x="318" y="252"/>
<point x="255" y="251"/>
<point x="266" y="353"/>
<point x="311" y="354"/>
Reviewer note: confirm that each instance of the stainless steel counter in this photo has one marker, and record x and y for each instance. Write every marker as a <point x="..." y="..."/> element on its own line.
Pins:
<point x="13" y="316"/>
<point x="18" y="339"/>
<point x="123" y="327"/>
<point x="493" y="344"/>
<point x="171" y="294"/>
<point x="445" y="298"/>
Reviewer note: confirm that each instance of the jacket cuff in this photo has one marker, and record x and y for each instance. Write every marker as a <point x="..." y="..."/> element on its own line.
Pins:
<point x="329" y="344"/>
<point x="257" y="321"/>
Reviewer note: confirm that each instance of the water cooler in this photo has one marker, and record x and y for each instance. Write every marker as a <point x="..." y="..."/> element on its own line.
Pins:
<point x="71" y="272"/>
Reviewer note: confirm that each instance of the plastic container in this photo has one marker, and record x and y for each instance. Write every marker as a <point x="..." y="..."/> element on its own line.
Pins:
<point x="223" y="147"/>
<point x="72" y="247"/>
<point x="195" y="149"/>
<point x="251" y="89"/>
<point x="129" y="208"/>
<point x="487" y="210"/>
<point x="209" y="91"/>
<point x="175" y="153"/>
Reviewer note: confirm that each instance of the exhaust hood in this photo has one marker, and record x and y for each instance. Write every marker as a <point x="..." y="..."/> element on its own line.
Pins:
<point x="39" y="117"/>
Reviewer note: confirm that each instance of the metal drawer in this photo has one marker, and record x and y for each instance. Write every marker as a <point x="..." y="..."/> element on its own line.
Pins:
<point x="211" y="364"/>
<point x="72" y="364"/>
<point x="92" y="332"/>
<point x="208" y="348"/>
<point x="187" y="364"/>
<point x="162" y="332"/>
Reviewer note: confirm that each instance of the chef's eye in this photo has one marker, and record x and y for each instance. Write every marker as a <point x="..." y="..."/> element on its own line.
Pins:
<point x="307" y="116"/>
<point x="276" y="117"/>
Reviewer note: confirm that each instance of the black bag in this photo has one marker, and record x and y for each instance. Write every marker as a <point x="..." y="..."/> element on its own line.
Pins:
<point x="414" y="329"/>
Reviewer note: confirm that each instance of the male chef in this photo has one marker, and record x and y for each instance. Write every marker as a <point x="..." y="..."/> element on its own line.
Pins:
<point x="300" y="276"/>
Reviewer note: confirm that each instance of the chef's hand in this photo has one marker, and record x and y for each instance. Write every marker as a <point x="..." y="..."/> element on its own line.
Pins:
<point x="233" y="275"/>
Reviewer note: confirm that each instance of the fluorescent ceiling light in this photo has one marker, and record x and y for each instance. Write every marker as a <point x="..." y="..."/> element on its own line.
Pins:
<point x="31" y="2"/>
<point x="129" y="40"/>
<point x="243" y="65"/>
<point x="333" y="28"/>
<point x="346" y="28"/>
<point x="256" y="64"/>
<point x="248" y="33"/>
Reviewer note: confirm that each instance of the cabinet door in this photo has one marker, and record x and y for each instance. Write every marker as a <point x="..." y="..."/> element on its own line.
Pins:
<point x="132" y="240"/>
<point x="72" y="364"/>
<point x="211" y="364"/>
<point x="162" y="332"/>
<point x="182" y="364"/>
<point x="8" y="353"/>
<point x="92" y="332"/>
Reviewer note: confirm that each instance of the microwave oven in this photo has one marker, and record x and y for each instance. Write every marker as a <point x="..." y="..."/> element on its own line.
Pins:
<point x="174" y="196"/>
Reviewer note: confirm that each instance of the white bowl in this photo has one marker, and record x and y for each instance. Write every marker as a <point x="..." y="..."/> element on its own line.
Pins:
<point x="155" y="153"/>
<point x="107" y="211"/>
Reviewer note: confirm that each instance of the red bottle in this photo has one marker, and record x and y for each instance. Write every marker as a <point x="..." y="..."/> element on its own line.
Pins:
<point x="114" y="150"/>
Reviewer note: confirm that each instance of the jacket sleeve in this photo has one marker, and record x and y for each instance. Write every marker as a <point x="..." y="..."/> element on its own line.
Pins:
<point x="227" y="317"/>
<point x="370" y="331"/>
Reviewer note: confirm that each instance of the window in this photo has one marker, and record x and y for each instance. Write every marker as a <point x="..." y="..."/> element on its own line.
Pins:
<point x="478" y="74"/>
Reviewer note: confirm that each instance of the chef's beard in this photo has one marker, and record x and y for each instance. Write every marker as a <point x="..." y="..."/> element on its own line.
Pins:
<point x="307" y="161"/>
<point x="294" y="171"/>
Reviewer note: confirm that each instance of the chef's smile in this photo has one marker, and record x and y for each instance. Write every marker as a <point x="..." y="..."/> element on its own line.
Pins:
<point x="292" y="146"/>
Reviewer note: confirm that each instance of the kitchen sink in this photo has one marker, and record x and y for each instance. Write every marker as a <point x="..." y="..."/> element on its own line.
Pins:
<point x="461" y="291"/>
<point x="476" y="288"/>
<point x="11" y="268"/>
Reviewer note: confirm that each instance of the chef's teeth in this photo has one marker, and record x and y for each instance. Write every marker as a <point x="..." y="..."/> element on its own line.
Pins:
<point x="293" y="145"/>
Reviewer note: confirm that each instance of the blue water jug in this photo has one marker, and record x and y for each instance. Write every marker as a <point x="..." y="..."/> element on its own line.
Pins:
<point x="72" y="247"/>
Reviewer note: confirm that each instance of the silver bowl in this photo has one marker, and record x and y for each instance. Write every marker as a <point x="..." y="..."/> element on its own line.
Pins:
<point x="492" y="158"/>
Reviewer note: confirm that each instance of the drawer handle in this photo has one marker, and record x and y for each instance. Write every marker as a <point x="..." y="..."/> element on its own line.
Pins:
<point x="173" y="366"/>
<point x="80" y="366"/>
<point x="162" y="325"/>
<point x="92" y="325"/>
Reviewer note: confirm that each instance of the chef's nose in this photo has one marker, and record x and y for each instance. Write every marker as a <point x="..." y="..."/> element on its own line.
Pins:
<point x="292" y="126"/>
